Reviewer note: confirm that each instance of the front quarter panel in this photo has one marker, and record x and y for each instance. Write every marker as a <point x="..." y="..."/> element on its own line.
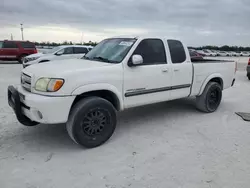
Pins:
<point x="100" y="86"/>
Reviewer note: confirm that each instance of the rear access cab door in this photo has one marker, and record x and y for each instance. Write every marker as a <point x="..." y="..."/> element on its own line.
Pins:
<point x="182" y="69"/>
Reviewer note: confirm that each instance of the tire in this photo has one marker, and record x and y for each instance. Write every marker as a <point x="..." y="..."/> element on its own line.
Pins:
<point x="210" y="99"/>
<point x="92" y="122"/>
<point x="20" y="58"/>
<point x="248" y="77"/>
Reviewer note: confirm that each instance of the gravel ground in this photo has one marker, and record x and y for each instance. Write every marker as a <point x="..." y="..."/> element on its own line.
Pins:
<point x="162" y="145"/>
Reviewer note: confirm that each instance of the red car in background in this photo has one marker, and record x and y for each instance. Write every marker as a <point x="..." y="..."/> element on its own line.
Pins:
<point x="195" y="55"/>
<point x="16" y="50"/>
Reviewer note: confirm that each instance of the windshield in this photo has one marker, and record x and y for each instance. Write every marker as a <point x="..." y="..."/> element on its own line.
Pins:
<point x="111" y="50"/>
<point x="53" y="50"/>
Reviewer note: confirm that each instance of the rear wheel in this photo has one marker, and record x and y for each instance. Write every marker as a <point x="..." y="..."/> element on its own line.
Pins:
<point x="210" y="99"/>
<point x="20" y="59"/>
<point x="92" y="122"/>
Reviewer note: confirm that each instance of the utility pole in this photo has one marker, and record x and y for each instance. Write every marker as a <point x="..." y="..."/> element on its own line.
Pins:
<point x="11" y="37"/>
<point x="82" y="38"/>
<point x="22" y="30"/>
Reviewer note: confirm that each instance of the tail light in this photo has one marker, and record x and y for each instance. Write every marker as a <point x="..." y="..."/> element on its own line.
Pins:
<point x="35" y="50"/>
<point x="249" y="61"/>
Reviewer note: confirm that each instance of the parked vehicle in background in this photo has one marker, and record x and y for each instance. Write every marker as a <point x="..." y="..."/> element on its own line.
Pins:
<point x="238" y="54"/>
<point x="57" y="53"/>
<point x="235" y="54"/>
<point x="209" y="53"/>
<point x="16" y="50"/>
<point x="245" y="54"/>
<point x="201" y="52"/>
<point x="248" y="69"/>
<point x="222" y="53"/>
<point x="215" y="51"/>
<point x="195" y="55"/>
<point x="119" y="73"/>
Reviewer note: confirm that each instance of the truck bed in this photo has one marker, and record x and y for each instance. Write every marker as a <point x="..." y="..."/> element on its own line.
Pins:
<point x="204" y="69"/>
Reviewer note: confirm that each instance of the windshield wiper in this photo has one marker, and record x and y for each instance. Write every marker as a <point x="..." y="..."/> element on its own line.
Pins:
<point x="104" y="59"/>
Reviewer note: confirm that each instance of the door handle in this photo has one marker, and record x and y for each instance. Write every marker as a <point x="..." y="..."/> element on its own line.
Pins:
<point x="165" y="70"/>
<point x="176" y="70"/>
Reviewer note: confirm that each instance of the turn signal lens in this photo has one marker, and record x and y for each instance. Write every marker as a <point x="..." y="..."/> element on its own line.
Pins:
<point x="55" y="85"/>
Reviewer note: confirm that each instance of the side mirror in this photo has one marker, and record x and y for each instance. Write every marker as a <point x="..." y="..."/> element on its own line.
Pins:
<point x="135" y="60"/>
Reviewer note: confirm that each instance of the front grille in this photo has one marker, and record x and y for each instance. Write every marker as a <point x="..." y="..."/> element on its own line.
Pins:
<point x="26" y="81"/>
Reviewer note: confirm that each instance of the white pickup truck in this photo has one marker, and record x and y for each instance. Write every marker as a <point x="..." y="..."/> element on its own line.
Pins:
<point x="117" y="74"/>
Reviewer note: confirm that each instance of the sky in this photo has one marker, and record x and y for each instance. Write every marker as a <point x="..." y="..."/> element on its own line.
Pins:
<point x="196" y="22"/>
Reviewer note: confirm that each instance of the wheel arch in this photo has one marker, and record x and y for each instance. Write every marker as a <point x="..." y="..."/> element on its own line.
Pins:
<point x="43" y="61"/>
<point x="212" y="78"/>
<point x="105" y="91"/>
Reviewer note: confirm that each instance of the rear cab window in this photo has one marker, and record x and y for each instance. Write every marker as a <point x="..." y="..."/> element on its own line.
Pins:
<point x="152" y="51"/>
<point x="177" y="51"/>
<point x="9" y="44"/>
<point x="1" y="44"/>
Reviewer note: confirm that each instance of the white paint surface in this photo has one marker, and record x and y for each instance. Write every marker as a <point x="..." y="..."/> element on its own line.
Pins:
<point x="163" y="145"/>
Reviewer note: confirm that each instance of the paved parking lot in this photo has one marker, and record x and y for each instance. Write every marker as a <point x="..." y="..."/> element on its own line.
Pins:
<point x="162" y="145"/>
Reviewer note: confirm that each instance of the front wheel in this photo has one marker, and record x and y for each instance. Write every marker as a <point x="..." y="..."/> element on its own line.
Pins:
<point x="20" y="59"/>
<point x="210" y="99"/>
<point x="92" y="122"/>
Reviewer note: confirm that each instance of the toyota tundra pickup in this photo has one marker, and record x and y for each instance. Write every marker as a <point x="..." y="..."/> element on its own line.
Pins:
<point x="119" y="73"/>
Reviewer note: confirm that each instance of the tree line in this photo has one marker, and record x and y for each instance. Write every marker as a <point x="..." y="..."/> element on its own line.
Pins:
<point x="90" y="43"/>
<point x="223" y="48"/>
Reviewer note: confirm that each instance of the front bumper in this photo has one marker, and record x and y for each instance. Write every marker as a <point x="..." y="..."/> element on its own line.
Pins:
<point x="31" y="109"/>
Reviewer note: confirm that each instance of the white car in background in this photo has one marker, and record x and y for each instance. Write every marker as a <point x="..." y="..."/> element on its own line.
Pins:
<point x="209" y="53"/>
<point x="235" y="54"/>
<point x="57" y="53"/>
<point x="245" y="54"/>
<point x="222" y="53"/>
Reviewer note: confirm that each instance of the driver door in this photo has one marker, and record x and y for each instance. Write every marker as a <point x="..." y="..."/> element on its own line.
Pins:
<point x="149" y="82"/>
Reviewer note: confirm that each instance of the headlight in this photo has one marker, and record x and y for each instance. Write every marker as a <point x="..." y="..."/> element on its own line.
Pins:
<point x="32" y="58"/>
<point x="49" y="84"/>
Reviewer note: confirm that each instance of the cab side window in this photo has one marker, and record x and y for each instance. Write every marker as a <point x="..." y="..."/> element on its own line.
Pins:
<point x="152" y="51"/>
<point x="177" y="51"/>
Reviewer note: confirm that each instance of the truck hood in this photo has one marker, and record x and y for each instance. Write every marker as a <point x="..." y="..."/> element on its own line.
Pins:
<point x="62" y="67"/>
<point x="36" y="55"/>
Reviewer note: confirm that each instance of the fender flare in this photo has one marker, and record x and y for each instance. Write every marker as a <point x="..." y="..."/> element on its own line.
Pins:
<point x="210" y="77"/>
<point x="97" y="87"/>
